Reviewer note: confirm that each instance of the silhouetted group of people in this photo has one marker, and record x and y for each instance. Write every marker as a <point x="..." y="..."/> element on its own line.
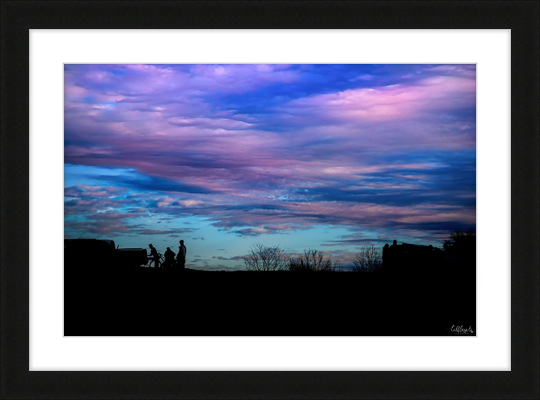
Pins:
<point x="170" y="262"/>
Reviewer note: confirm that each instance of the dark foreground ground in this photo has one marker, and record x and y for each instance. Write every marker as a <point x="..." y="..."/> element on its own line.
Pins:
<point x="150" y="302"/>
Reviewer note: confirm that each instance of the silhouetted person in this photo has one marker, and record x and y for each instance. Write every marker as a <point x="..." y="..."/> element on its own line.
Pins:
<point x="154" y="255"/>
<point x="385" y="253"/>
<point x="181" y="257"/>
<point x="169" y="258"/>
<point x="393" y="250"/>
<point x="390" y="256"/>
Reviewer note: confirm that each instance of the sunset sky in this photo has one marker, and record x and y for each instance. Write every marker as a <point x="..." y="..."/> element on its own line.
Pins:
<point x="327" y="157"/>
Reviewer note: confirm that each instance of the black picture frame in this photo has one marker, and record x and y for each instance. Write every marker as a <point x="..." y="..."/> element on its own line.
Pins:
<point x="522" y="17"/>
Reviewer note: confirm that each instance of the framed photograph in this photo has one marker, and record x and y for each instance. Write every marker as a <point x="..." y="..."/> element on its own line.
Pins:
<point x="289" y="184"/>
<point x="386" y="166"/>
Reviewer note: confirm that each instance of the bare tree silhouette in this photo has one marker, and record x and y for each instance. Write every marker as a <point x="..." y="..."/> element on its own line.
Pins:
<point x="312" y="260"/>
<point x="368" y="259"/>
<point x="265" y="258"/>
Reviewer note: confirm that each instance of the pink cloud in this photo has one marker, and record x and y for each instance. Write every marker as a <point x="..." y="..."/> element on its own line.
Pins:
<point x="397" y="101"/>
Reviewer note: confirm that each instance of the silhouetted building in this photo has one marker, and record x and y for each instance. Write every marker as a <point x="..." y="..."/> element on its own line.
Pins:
<point x="94" y="253"/>
<point x="410" y="258"/>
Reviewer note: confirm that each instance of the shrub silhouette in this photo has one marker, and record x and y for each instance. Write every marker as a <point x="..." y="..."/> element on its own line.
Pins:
<point x="265" y="258"/>
<point x="312" y="261"/>
<point x="461" y="246"/>
<point x="368" y="259"/>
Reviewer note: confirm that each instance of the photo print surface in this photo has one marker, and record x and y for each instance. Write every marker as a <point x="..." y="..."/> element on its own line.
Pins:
<point x="263" y="199"/>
